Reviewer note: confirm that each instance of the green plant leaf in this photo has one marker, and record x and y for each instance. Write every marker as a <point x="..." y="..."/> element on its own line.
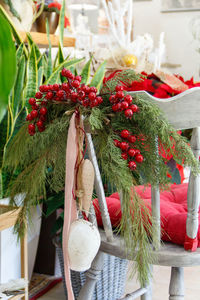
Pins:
<point x="40" y="76"/>
<point x="49" y="59"/>
<point x="31" y="75"/>
<point x="19" y="52"/>
<point x="85" y="74"/>
<point x="67" y="64"/>
<point x="31" y="43"/>
<point x="99" y="76"/>
<point x="61" y="24"/>
<point x="18" y="88"/>
<point x="3" y="136"/>
<point x="7" y="64"/>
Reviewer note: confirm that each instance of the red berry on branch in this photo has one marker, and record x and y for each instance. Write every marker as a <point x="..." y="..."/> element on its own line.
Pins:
<point x="117" y="143"/>
<point x="139" y="158"/>
<point x="99" y="99"/>
<point x="65" y="87"/>
<point x="124" y="146"/>
<point x="32" y="101"/>
<point x="128" y="98"/>
<point x="125" y="133"/>
<point x="118" y="105"/>
<point x="134" y="108"/>
<point x="74" y="97"/>
<point x="131" y="152"/>
<point x="132" y="138"/>
<point x="43" y="118"/>
<point x="60" y="94"/>
<point x="29" y="117"/>
<point x="43" y="111"/>
<point x="31" y="127"/>
<point x="79" y="78"/>
<point x="44" y="88"/>
<point x="124" y="155"/>
<point x="34" y="114"/>
<point x="94" y="103"/>
<point x="124" y="105"/>
<point x="75" y="83"/>
<point x="132" y="165"/>
<point x="39" y="123"/>
<point x="31" y="132"/>
<point x="38" y="95"/>
<point x="43" y="103"/>
<point x="81" y="95"/>
<point x="85" y="89"/>
<point x="49" y="95"/>
<point x="137" y="151"/>
<point x="69" y="74"/>
<point x="128" y="113"/>
<point x="36" y="106"/>
<point x="120" y="94"/>
<point x="115" y="107"/>
<point x="93" y="89"/>
<point x="112" y="99"/>
<point x="63" y="72"/>
<point x="41" y="129"/>
<point x="56" y="87"/>
<point x="86" y="103"/>
<point x="92" y="96"/>
<point x="119" y="88"/>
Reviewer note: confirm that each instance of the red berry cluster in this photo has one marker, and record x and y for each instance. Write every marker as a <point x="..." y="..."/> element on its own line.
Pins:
<point x="122" y="102"/>
<point x="70" y="91"/>
<point x="129" y="151"/>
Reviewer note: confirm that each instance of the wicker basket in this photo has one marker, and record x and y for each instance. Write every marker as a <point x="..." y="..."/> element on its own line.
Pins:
<point x="111" y="284"/>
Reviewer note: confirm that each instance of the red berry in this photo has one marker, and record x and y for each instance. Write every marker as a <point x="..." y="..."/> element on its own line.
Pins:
<point x="99" y="99"/>
<point x="132" y="165"/>
<point x="65" y="87"/>
<point x="39" y="123"/>
<point x="34" y="114"/>
<point x="56" y="87"/>
<point x="132" y="138"/>
<point x="31" y="133"/>
<point x="85" y="89"/>
<point x="68" y="74"/>
<point x="32" y="101"/>
<point x="43" y="103"/>
<point x="79" y="78"/>
<point x="117" y="143"/>
<point x="125" y="133"/>
<point x="128" y="98"/>
<point x="81" y="95"/>
<point x="134" y="108"/>
<point x="31" y="127"/>
<point x="128" y="113"/>
<point x="92" y="96"/>
<point x="119" y="88"/>
<point x="118" y="105"/>
<point x="115" y="107"/>
<point x="94" y="103"/>
<point x="38" y="95"/>
<point x="124" y="105"/>
<point x="93" y="89"/>
<point x="112" y="99"/>
<point x="29" y="117"/>
<point x="124" y="146"/>
<point x="75" y="83"/>
<point x="74" y="97"/>
<point x="40" y="129"/>
<point x="86" y="103"/>
<point x="120" y="94"/>
<point x="137" y="151"/>
<point x="131" y="152"/>
<point x="50" y="87"/>
<point x="49" y="95"/>
<point x="44" y="88"/>
<point x="43" y="111"/>
<point x="36" y="106"/>
<point x="42" y="118"/>
<point x="60" y="94"/>
<point x="124" y="155"/>
<point x="63" y="72"/>
<point x="139" y="158"/>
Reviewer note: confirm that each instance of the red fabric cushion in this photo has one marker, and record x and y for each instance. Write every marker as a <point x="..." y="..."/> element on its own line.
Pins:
<point x="173" y="209"/>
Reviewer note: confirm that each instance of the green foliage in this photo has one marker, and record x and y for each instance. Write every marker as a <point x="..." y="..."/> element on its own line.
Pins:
<point x="7" y="64"/>
<point x="85" y="74"/>
<point x="98" y="77"/>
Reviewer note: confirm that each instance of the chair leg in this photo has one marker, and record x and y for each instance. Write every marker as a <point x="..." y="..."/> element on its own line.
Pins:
<point x="176" y="287"/>
<point x="148" y="294"/>
<point x="92" y="276"/>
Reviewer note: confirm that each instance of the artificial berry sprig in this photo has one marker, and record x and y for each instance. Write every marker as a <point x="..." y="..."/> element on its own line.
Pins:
<point x="129" y="151"/>
<point x="122" y="102"/>
<point x="71" y="91"/>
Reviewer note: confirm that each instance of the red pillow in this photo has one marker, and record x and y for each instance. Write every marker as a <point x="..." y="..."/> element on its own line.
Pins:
<point x="173" y="210"/>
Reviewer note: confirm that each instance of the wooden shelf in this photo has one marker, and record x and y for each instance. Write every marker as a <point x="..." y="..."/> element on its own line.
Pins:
<point x="42" y="40"/>
<point x="17" y="297"/>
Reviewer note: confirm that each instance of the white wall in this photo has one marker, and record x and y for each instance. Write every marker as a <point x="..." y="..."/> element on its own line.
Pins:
<point x="181" y="47"/>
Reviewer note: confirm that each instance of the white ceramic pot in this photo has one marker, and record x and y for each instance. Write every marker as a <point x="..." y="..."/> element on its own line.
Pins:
<point x="83" y="244"/>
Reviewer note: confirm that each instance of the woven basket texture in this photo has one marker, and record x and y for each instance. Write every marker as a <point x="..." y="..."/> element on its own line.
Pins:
<point x="112" y="280"/>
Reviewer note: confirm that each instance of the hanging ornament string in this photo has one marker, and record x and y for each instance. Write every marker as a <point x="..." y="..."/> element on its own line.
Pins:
<point x="70" y="210"/>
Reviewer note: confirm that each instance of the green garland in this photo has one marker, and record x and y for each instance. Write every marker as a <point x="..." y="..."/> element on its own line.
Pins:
<point x="41" y="161"/>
